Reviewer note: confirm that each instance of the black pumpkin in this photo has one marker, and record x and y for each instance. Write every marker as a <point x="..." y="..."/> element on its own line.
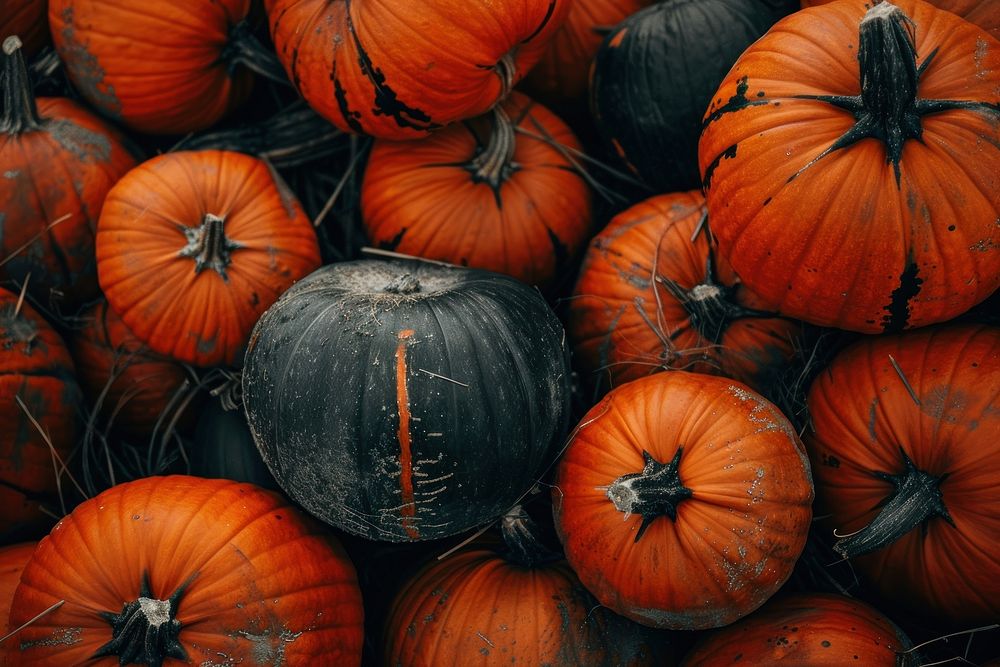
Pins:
<point x="223" y="447"/>
<point x="655" y="74"/>
<point x="407" y="401"/>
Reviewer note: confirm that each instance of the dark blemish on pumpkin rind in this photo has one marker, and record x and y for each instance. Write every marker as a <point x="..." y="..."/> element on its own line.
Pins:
<point x="340" y="95"/>
<point x="736" y="103"/>
<point x="871" y="419"/>
<point x="738" y="657"/>
<point x="206" y="345"/>
<point x="831" y="461"/>
<point x="825" y="644"/>
<point x="727" y="154"/>
<point x="766" y="202"/>
<point x="558" y="248"/>
<point x="88" y="76"/>
<point x="87" y="145"/>
<point x="898" y="310"/>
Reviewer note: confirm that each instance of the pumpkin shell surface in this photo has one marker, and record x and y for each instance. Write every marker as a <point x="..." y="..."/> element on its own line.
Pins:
<point x="260" y="583"/>
<point x="422" y="198"/>
<point x="407" y="401"/>
<point x="984" y="13"/>
<point x="864" y="418"/>
<point x="831" y="235"/>
<point x="733" y="541"/>
<point x="627" y="321"/>
<point x="163" y="69"/>
<point x="200" y="306"/>
<point x="382" y="68"/>
<point x="12" y="561"/>
<point x="26" y="19"/>
<point x="814" y="629"/>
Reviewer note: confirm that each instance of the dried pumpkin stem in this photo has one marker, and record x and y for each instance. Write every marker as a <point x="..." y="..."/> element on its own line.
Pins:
<point x="495" y="162"/>
<point x="524" y="545"/>
<point x="506" y="69"/>
<point x="209" y="246"/>
<point x="654" y="492"/>
<point x="20" y="113"/>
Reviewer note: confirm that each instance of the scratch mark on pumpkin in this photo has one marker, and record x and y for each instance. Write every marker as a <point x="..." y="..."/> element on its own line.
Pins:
<point x="409" y="507"/>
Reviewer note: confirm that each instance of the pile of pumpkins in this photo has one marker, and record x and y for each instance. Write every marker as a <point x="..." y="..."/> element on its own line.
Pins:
<point x="617" y="380"/>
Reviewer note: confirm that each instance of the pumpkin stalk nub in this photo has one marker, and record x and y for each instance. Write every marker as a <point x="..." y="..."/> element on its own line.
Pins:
<point x="20" y="113"/>
<point x="652" y="493"/>
<point x="495" y="163"/>
<point x="146" y="631"/>
<point x="208" y="245"/>
<point x="521" y="535"/>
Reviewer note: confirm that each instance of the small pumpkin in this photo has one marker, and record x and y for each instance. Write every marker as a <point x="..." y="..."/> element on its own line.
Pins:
<point x="813" y="629"/>
<point x="905" y="444"/>
<point x="180" y="569"/>
<point x="13" y="558"/>
<point x="406" y="401"/>
<point x="26" y="19"/>
<point x="714" y="489"/>
<point x="193" y="246"/>
<point x="984" y="13"/>
<point x="851" y="164"/>
<point x="653" y="294"/>
<point x="224" y="448"/>
<point x="57" y="163"/>
<point x="500" y="196"/>
<point x="386" y="69"/>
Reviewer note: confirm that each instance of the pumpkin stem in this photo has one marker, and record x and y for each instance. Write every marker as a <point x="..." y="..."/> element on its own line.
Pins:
<point x="652" y="493"/>
<point x="209" y="246"/>
<point x="506" y="69"/>
<point x="494" y="163"/>
<point x="20" y="113"/>
<point x="524" y="544"/>
<point x="146" y="631"/>
<point x="404" y="284"/>
<point x="915" y="499"/>
<point x="243" y="48"/>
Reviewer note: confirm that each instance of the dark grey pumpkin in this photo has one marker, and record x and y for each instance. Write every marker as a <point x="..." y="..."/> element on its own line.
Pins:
<point x="655" y="74"/>
<point x="407" y="401"/>
<point x="223" y="448"/>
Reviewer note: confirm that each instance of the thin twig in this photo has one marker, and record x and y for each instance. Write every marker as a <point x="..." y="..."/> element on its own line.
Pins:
<point x="33" y="620"/>
<point x="34" y="238"/>
<point x="20" y="298"/>
<point x="906" y="383"/>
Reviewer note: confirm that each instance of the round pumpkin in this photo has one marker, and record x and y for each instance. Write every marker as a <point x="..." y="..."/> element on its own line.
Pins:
<point x="814" y="629"/>
<point x="481" y="194"/>
<point x="683" y="500"/>
<point x="393" y="70"/>
<point x="57" y="163"/>
<point x="224" y="448"/>
<point x="169" y="68"/>
<point x="180" y="569"/>
<point x="26" y="19"/>
<point x="984" y="13"/>
<point x="406" y="401"/>
<point x="36" y="383"/>
<point x="655" y="74"/>
<point x="653" y="295"/>
<point x="193" y="246"/>
<point x="905" y="444"/>
<point x="852" y="170"/>
<point x="12" y="561"/>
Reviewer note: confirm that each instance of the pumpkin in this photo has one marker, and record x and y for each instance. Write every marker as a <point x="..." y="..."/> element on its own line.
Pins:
<point x="180" y="68"/>
<point x="12" y="561"/>
<point x="57" y="163"/>
<point x="26" y="19"/>
<point x="224" y="447"/>
<point x="652" y="295"/>
<point x="984" y="13"/>
<point x="839" y="124"/>
<point x="406" y="401"/>
<point x="482" y="195"/>
<point x="807" y="629"/>
<point x="136" y="388"/>
<point x="383" y="69"/>
<point x="168" y="569"/>
<point x="36" y="383"/>
<point x="904" y="462"/>
<point x="654" y="75"/>
<point x="193" y="246"/>
<point x="520" y="604"/>
<point x="714" y="489"/>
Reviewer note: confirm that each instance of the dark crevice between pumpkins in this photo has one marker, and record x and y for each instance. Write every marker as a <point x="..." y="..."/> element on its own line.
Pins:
<point x="243" y="48"/>
<point x="523" y="540"/>
<point x="654" y="492"/>
<point x="146" y="631"/>
<point x="888" y="108"/>
<point x="20" y="113"/>
<point x="494" y="163"/>
<point x="209" y="246"/>
<point x="916" y="499"/>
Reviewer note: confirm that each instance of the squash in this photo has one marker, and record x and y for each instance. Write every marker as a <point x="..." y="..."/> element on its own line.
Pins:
<point x="984" y="13"/>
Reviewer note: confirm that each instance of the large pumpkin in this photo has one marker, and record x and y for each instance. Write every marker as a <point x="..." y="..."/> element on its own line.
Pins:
<point x="193" y="246"/>
<point x="36" y="383"/>
<point x="167" y="68"/>
<point x="683" y="500"/>
<point x="984" y="13"/>
<point x="176" y="569"/>
<point x="852" y="170"/>
<point x="26" y="19"/>
<point x="407" y="401"/>
<point x="481" y="194"/>
<point x="653" y="295"/>
<point x="394" y="70"/>
<point x="57" y="163"/>
<point x="905" y="447"/>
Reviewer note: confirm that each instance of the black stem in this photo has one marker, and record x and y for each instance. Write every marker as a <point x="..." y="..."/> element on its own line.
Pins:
<point x="524" y="544"/>
<point x="20" y="113"/>
<point x="915" y="499"/>
<point x="209" y="246"/>
<point x="654" y="492"/>
<point x="494" y="163"/>
<point x="243" y="48"/>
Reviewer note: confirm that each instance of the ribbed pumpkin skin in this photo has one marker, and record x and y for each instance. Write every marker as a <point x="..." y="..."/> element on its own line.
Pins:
<point x="984" y="13"/>
<point x="201" y="318"/>
<point x="267" y="585"/>
<point x="814" y="629"/>
<point x="476" y="608"/>
<point x="405" y="415"/>
<point x="12" y="562"/>
<point x="35" y="367"/>
<point x="841" y="244"/>
<point x="625" y="323"/>
<point x="169" y="76"/>
<point x="734" y="541"/>
<point x="862" y="414"/>
<point x="379" y="67"/>
<point x="419" y="199"/>
<point x="26" y="19"/>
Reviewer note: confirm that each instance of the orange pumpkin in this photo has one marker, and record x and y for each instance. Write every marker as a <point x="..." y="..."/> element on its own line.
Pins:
<point x="26" y="19"/>
<point x="166" y="570"/>
<point x="481" y="195"/>
<point x="984" y="13"/>
<point x="395" y="70"/>
<point x="192" y="247"/>
<point x="654" y="295"/>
